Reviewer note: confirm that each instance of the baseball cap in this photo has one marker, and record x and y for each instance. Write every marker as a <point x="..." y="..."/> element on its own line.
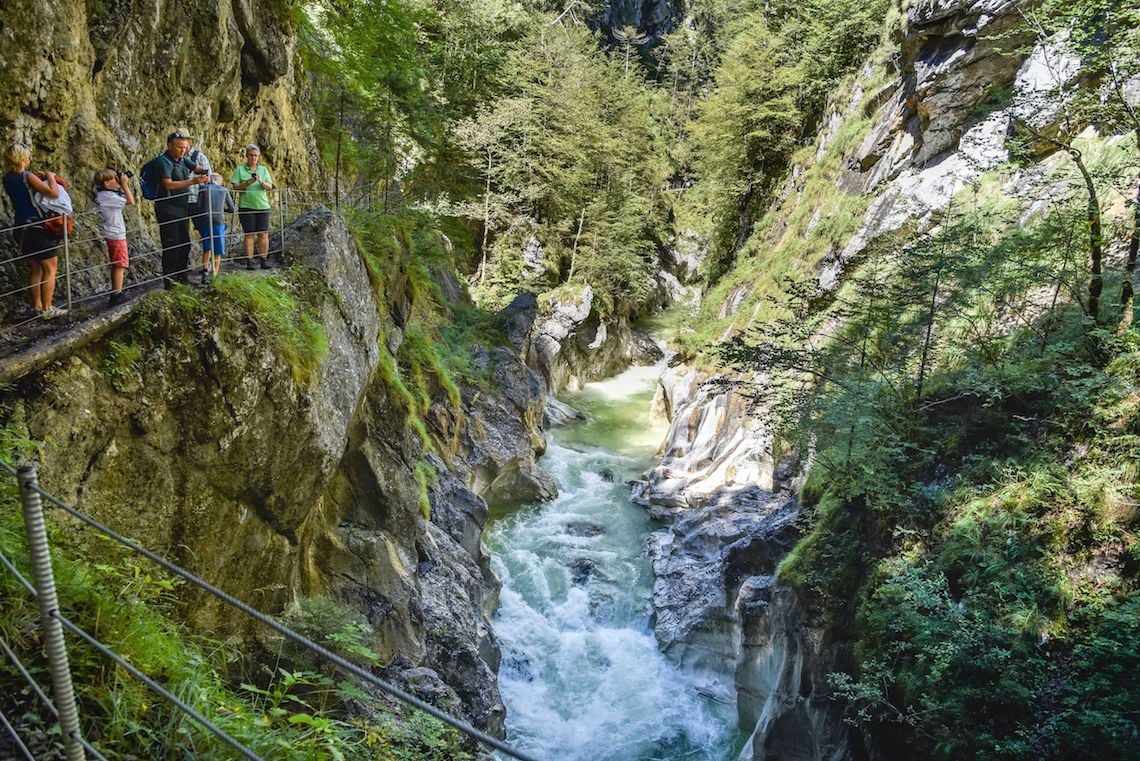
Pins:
<point x="178" y="135"/>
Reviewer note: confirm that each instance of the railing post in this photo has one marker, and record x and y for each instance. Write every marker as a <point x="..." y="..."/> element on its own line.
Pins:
<point x="283" y="202"/>
<point x="67" y="266"/>
<point x="44" y="579"/>
<point x="209" y="239"/>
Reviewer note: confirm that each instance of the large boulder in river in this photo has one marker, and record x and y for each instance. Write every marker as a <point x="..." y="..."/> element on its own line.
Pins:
<point x="572" y="343"/>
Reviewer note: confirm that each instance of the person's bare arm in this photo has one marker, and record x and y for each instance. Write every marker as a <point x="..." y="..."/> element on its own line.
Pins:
<point x="170" y="184"/>
<point x="48" y="188"/>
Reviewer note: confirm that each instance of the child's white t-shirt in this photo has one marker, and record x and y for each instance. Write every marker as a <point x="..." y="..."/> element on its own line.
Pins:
<point x="111" y="205"/>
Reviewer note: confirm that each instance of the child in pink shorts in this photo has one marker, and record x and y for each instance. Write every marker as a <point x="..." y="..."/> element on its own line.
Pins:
<point x="112" y="195"/>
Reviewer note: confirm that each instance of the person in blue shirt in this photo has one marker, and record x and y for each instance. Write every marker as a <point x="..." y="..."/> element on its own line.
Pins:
<point x="37" y="246"/>
<point x="214" y="202"/>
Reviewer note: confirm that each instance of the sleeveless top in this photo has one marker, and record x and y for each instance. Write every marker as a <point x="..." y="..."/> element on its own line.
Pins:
<point x="16" y="185"/>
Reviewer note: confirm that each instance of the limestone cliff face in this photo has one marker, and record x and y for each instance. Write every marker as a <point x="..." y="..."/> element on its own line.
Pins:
<point x="652" y="19"/>
<point x="571" y="343"/>
<point x="95" y="84"/>
<point x="209" y="448"/>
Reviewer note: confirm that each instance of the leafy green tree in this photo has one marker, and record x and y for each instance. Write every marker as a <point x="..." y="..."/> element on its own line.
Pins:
<point x="571" y="147"/>
<point x="1103" y="35"/>
<point x="768" y="93"/>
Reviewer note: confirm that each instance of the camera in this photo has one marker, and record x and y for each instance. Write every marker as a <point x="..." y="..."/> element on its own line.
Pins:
<point x="126" y="173"/>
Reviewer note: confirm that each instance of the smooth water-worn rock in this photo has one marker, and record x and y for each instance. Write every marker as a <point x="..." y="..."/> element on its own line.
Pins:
<point x="570" y="343"/>
<point x="714" y="445"/>
<point x="781" y="673"/>
<point x="699" y="563"/>
<point x="652" y="19"/>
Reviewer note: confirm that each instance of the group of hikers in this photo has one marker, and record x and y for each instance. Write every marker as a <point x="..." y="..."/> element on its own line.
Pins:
<point x="185" y="190"/>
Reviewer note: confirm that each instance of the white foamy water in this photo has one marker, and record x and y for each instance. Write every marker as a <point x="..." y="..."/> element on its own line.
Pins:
<point x="581" y="676"/>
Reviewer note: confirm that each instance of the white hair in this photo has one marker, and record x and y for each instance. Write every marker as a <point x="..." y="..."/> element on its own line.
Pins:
<point x="252" y="147"/>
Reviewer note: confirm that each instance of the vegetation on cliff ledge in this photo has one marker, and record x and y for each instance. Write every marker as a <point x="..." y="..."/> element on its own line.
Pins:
<point x="971" y="523"/>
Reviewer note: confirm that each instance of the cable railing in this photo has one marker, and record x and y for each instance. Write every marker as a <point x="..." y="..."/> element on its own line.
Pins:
<point x="81" y="255"/>
<point x="54" y="623"/>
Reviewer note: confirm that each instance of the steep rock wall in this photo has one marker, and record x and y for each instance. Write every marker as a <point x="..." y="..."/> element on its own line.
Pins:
<point x="210" y="449"/>
<point x="571" y="343"/>
<point x="935" y="129"/>
<point x="97" y="84"/>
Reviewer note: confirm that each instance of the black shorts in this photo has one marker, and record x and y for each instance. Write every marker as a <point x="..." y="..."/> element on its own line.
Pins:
<point x="254" y="220"/>
<point x="39" y="244"/>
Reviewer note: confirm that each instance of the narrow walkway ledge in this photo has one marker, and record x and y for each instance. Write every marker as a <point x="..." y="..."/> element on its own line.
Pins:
<point x="50" y="347"/>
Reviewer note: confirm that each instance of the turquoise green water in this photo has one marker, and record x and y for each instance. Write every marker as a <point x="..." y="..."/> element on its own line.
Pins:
<point x="582" y="677"/>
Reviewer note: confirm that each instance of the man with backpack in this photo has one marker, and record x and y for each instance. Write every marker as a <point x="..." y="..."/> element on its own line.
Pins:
<point x="166" y="180"/>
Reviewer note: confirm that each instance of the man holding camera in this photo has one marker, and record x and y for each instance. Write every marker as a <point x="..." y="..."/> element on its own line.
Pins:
<point x="177" y="174"/>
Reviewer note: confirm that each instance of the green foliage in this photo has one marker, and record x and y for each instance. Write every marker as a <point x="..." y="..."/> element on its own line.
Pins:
<point x="423" y="359"/>
<point x="747" y="128"/>
<point x="425" y="476"/>
<point x="413" y="406"/>
<point x="974" y="485"/>
<point x="120" y="362"/>
<point x="570" y="149"/>
<point x="334" y="625"/>
<point x="278" y="312"/>
<point x="282" y="713"/>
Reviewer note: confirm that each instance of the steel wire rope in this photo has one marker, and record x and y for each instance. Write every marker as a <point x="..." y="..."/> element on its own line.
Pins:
<point x="281" y="629"/>
<point x="15" y="659"/>
<point x="27" y="585"/>
<point x="16" y="737"/>
<point x="217" y="731"/>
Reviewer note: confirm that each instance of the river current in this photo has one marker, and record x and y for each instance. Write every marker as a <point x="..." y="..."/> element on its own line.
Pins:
<point x="581" y="676"/>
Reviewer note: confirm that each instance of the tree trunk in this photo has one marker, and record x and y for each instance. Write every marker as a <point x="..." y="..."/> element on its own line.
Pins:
<point x="574" y="251"/>
<point x="927" y="338"/>
<point x="486" y="219"/>
<point x="1096" y="240"/>
<point x="1127" y="292"/>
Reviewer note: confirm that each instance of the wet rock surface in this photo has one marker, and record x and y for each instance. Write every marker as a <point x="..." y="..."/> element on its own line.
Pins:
<point x="715" y="445"/>
<point x="783" y="690"/>
<point x="730" y="508"/>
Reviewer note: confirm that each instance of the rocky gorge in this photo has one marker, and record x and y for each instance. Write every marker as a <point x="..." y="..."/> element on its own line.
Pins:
<point x="161" y="431"/>
<point x="339" y="446"/>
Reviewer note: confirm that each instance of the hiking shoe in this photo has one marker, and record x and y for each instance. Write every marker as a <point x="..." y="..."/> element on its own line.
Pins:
<point x="249" y="264"/>
<point x="116" y="299"/>
<point x="53" y="313"/>
<point x="265" y="262"/>
<point x="205" y="277"/>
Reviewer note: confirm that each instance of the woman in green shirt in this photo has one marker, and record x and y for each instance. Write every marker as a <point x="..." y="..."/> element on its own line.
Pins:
<point x="252" y="183"/>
